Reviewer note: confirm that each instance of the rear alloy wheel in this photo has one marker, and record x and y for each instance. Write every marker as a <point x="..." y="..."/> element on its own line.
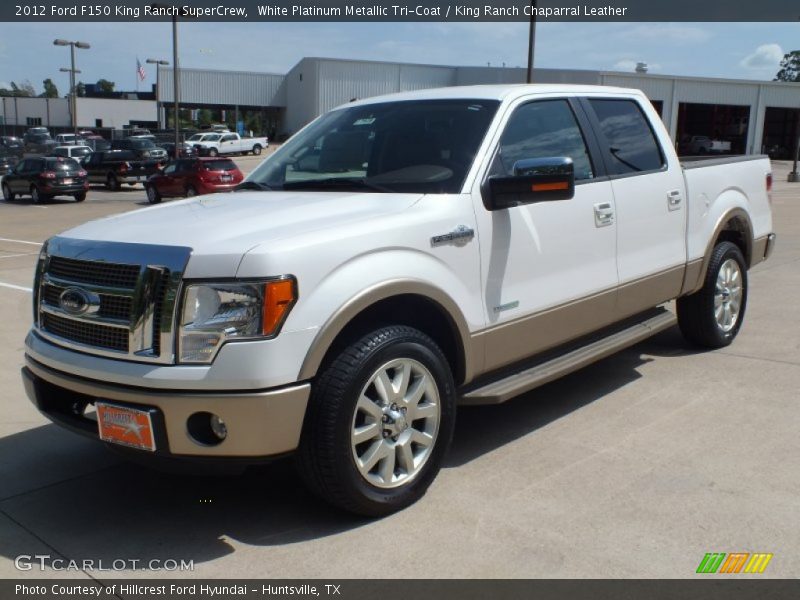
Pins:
<point x="153" y="197"/>
<point x="8" y="195"/>
<point x="36" y="196"/>
<point x="112" y="183"/>
<point x="213" y="152"/>
<point x="713" y="316"/>
<point x="256" y="150"/>
<point x="191" y="192"/>
<point x="379" y="422"/>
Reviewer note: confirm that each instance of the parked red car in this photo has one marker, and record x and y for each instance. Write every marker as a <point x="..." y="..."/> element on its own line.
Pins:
<point x="193" y="176"/>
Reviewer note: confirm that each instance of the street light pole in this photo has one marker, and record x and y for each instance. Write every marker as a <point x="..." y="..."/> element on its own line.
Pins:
<point x="176" y="86"/>
<point x="158" y="63"/>
<point x="531" y="42"/>
<point x="794" y="176"/>
<point x="72" y="72"/>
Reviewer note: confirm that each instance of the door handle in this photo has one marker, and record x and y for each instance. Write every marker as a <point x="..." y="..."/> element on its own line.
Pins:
<point x="674" y="200"/>
<point x="603" y="214"/>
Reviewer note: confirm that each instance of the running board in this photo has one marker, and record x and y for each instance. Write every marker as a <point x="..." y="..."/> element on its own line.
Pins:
<point x="515" y="384"/>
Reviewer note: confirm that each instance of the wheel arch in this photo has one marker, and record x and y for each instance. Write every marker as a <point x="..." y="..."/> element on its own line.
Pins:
<point x="405" y="302"/>
<point x="733" y="226"/>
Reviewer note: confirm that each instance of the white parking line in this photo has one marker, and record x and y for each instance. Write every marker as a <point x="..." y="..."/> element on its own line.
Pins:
<point x="11" y="286"/>
<point x="16" y="255"/>
<point x="20" y="242"/>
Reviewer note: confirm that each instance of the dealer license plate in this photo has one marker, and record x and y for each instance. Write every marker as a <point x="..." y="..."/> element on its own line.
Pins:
<point x="125" y="426"/>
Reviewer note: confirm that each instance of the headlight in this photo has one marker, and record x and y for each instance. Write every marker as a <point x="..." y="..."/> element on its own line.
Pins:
<point x="215" y="313"/>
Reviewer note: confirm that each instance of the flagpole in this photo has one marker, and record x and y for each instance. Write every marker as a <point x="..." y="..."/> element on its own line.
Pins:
<point x="137" y="75"/>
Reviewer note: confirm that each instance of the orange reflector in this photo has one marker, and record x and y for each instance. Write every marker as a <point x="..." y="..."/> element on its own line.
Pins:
<point x="556" y="186"/>
<point x="279" y="296"/>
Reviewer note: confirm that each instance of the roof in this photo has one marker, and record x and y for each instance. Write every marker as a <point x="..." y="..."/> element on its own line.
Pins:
<point x="494" y="92"/>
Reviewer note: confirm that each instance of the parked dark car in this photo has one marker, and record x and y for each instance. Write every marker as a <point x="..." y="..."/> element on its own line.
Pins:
<point x="193" y="176"/>
<point x="115" y="167"/>
<point x="79" y="153"/>
<point x="7" y="160"/>
<point x="185" y="150"/>
<point x="39" y="143"/>
<point x="97" y="143"/>
<point x="145" y="149"/>
<point x="13" y="144"/>
<point x="46" y="177"/>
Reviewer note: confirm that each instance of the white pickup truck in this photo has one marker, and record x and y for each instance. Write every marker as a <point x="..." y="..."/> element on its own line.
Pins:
<point x="396" y="258"/>
<point x="230" y="143"/>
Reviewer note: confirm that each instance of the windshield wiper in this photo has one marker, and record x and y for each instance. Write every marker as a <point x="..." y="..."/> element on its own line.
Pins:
<point x="253" y="185"/>
<point x="336" y="183"/>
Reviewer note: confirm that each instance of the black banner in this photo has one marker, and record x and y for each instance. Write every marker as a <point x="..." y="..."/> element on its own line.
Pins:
<point x="713" y="587"/>
<point x="399" y="11"/>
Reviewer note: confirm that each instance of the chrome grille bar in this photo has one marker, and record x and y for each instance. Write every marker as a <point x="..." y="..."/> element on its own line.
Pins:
<point x="132" y="305"/>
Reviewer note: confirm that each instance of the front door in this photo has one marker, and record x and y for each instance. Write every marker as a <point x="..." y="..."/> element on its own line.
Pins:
<point x="549" y="269"/>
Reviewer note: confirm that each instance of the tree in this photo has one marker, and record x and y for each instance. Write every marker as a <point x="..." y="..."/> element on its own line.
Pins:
<point x="104" y="85"/>
<point x="50" y="89"/>
<point x="790" y="67"/>
<point x="80" y="89"/>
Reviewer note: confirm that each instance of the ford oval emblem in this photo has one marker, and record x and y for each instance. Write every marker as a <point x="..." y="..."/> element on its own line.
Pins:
<point x="75" y="301"/>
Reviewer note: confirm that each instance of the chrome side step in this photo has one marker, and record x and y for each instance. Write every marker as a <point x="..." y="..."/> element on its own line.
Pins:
<point x="515" y="384"/>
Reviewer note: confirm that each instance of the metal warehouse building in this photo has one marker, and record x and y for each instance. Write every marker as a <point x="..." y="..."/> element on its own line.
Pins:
<point x="753" y="116"/>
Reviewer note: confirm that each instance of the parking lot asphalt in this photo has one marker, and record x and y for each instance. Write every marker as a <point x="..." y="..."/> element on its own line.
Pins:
<point x="634" y="467"/>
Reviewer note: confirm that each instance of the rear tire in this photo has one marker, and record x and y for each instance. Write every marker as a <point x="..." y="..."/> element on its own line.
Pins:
<point x="80" y="197"/>
<point x="153" y="197"/>
<point x="213" y="152"/>
<point x="256" y="150"/>
<point x="112" y="183"/>
<point x="379" y="422"/>
<point x="190" y="192"/>
<point x="713" y="316"/>
<point x="8" y="195"/>
<point x="36" y="195"/>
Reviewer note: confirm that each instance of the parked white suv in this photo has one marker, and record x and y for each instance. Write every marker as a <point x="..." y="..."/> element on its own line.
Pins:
<point x="395" y="258"/>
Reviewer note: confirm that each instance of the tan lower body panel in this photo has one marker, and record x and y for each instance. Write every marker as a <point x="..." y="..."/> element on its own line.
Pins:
<point x="259" y="423"/>
<point x="524" y="338"/>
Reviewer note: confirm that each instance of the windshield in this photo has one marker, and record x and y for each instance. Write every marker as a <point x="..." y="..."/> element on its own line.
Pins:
<point x="423" y="146"/>
<point x="142" y="144"/>
<point x="196" y="137"/>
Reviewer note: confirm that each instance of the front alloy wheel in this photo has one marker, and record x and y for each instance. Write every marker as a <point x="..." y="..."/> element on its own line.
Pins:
<point x="379" y="422"/>
<point x="396" y="423"/>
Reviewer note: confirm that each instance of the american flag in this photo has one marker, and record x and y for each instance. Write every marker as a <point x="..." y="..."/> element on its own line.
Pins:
<point x="140" y="70"/>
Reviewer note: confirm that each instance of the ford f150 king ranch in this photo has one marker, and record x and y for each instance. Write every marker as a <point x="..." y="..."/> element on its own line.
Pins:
<point x="230" y="143"/>
<point x="396" y="257"/>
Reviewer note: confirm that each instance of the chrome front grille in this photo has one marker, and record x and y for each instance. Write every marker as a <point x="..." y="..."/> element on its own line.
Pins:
<point x="113" y="300"/>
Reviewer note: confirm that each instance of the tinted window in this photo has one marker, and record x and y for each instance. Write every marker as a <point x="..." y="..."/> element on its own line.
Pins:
<point x="545" y="129"/>
<point x="219" y="165"/>
<point x="631" y="141"/>
<point x="63" y="164"/>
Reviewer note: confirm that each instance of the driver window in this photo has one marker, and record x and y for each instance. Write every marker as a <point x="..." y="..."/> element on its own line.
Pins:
<point x="170" y="169"/>
<point x="545" y="128"/>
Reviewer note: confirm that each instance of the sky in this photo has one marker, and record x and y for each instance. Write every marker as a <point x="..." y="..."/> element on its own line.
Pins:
<point x="728" y="50"/>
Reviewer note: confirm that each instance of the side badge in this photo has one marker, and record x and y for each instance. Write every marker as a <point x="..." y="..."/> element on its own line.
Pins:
<point x="461" y="236"/>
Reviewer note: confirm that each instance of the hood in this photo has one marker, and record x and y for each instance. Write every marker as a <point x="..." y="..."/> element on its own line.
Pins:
<point x="221" y="228"/>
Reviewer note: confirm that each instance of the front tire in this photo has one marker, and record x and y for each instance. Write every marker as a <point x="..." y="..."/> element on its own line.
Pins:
<point x="713" y="316"/>
<point x="153" y="197"/>
<point x="190" y="192"/>
<point x="36" y="195"/>
<point x="112" y="183"/>
<point x="379" y="422"/>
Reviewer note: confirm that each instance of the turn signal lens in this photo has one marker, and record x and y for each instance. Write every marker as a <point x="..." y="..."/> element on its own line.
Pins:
<point x="769" y="182"/>
<point x="279" y="297"/>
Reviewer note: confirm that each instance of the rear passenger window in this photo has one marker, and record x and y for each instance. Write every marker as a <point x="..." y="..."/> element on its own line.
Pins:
<point x="544" y="129"/>
<point x="631" y="141"/>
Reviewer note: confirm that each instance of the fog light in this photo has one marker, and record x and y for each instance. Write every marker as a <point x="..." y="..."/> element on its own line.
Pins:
<point x="218" y="427"/>
<point x="207" y="428"/>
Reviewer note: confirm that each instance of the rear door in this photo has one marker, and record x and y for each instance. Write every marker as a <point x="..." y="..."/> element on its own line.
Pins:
<point x="649" y="197"/>
<point x="549" y="269"/>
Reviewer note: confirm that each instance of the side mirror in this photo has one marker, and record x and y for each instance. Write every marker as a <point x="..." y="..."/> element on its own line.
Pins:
<point x="534" y="180"/>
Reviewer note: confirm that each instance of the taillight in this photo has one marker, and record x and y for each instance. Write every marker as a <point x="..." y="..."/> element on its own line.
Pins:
<point x="47" y="175"/>
<point x="82" y="173"/>
<point x="123" y="168"/>
<point x="769" y="182"/>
